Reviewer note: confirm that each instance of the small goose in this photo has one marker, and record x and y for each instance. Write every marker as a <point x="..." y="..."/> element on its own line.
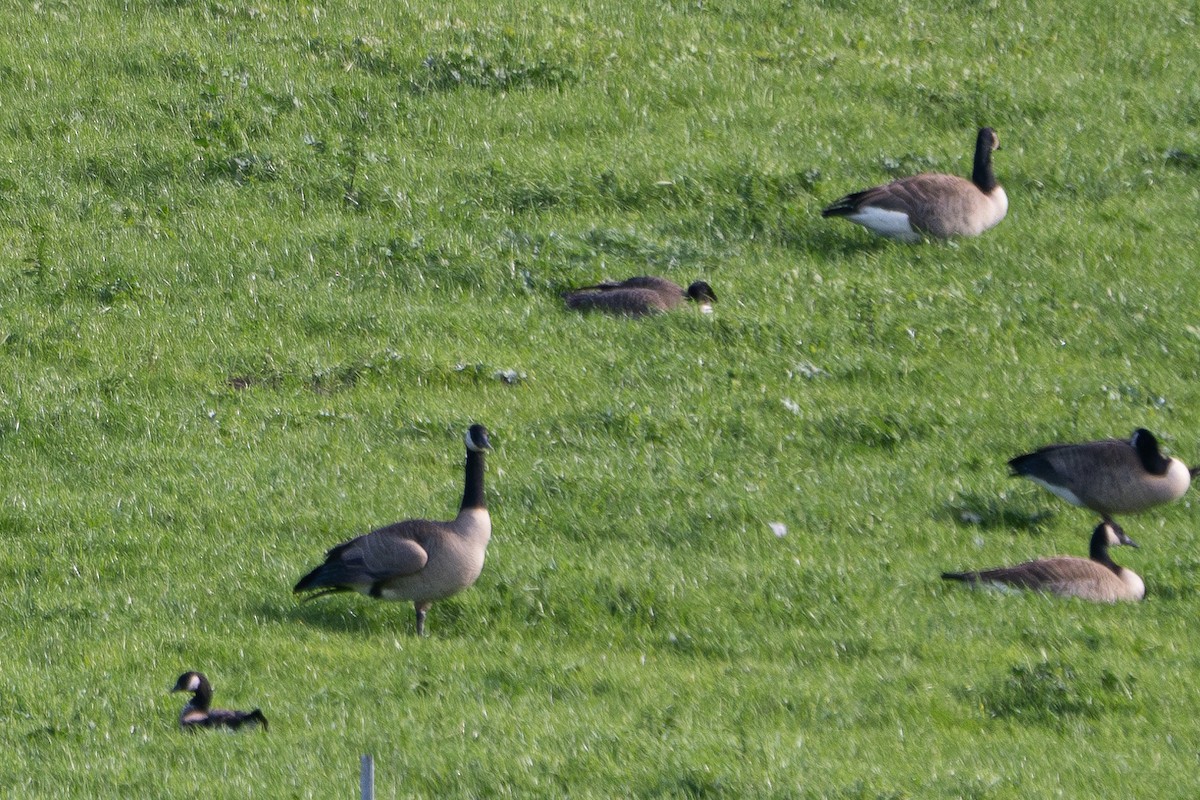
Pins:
<point x="198" y="713"/>
<point x="417" y="559"/>
<point x="1096" y="578"/>
<point x="640" y="295"/>
<point x="1109" y="476"/>
<point x="931" y="204"/>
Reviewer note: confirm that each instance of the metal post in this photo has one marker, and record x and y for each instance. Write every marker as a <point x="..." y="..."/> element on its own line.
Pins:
<point x="366" y="778"/>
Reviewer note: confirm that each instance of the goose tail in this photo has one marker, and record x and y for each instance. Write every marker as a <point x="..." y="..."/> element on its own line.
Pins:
<point x="843" y="207"/>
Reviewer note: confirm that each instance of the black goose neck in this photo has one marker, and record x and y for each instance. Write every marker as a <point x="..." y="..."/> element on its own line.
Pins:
<point x="1148" y="453"/>
<point x="202" y="697"/>
<point x="982" y="175"/>
<point x="1099" y="550"/>
<point x="473" y="494"/>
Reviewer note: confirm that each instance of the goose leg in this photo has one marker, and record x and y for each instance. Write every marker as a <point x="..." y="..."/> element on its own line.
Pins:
<point x="421" y="609"/>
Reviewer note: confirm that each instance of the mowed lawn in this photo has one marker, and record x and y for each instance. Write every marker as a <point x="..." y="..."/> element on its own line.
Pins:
<point x="261" y="264"/>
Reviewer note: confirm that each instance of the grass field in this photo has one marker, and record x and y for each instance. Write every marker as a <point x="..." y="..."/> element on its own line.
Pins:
<point x="262" y="264"/>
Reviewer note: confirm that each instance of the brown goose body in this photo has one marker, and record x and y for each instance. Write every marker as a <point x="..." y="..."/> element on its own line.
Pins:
<point x="1097" y="578"/>
<point x="639" y="296"/>
<point x="1110" y="476"/>
<point x="199" y="713"/>
<point x="418" y="560"/>
<point x="931" y="204"/>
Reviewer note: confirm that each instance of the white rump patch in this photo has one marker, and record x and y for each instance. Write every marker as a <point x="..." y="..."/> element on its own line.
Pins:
<point x="1061" y="491"/>
<point x="892" y="224"/>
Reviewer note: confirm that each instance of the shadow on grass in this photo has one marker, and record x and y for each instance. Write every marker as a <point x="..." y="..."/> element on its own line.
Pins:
<point x="355" y="614"/>
<point x="988" y="513"/>
<point x="338" y="616"/>
<point x="826" y="239"/>
<point x="1051" y="692"/>
<point x="1169" y="590"/>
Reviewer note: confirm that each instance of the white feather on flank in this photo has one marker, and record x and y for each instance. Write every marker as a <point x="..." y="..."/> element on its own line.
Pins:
<point x="892" y="224"/>
<point x="1061" y="491"/>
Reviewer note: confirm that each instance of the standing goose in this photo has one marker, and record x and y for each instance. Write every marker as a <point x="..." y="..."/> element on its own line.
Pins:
<point x="640" y="295"/>
<point x="931" y="204"/>
<point x="1096" y="578"/>
<point x="1109" y="476"/>
<point x="199" y="713"/>
<point x="417" y="559"/>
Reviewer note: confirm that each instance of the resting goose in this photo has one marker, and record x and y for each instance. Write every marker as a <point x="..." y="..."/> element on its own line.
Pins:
<point x="198" y="713"/>
<point x="1096" y="578"/>
<point x="931" y="204"/>
<point x="1110" y="477"/>
<point x="417" y="559"/>
<point x="638" y="296"/>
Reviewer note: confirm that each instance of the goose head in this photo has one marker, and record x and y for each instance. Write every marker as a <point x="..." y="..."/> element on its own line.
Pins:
<point x="703" y="294"/>
<point x="1146" y="445"/>
<point x="1114" y="535"/>
<point x="190" y="682"/>
<point x="477" y="439"/>
<point x="987" y="140"/>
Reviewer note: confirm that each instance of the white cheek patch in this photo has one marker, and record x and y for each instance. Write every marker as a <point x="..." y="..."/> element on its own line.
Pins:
<point x="193" y="683"/>
<point x="892" y="224"/>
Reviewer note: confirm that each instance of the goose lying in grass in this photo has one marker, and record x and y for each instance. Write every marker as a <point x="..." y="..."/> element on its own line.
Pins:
<point x="199" y="713"/>
<point x="931" y="204"/>
<point x="638" y="296"/>
<point x="1096" y="578"/>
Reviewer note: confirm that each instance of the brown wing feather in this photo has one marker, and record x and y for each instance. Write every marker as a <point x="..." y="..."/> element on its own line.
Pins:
<point x="390" y="552"/>
<point x="936" y="204"/>
<point x="631" y="302"/>
<point x="1063" y="575"/>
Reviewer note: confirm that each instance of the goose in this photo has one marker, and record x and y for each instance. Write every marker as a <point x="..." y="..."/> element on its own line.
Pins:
<point x="418" y="560"/>
<point x="198" y="713"/>
<point x="931" y="204"/>
<point x="1110" y="476"/>
<point x="639" y="295"/>
<point x="1096" y="578"/>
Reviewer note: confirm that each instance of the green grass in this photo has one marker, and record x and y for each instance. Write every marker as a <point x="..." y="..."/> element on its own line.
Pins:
<point x="261" y="264"/>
